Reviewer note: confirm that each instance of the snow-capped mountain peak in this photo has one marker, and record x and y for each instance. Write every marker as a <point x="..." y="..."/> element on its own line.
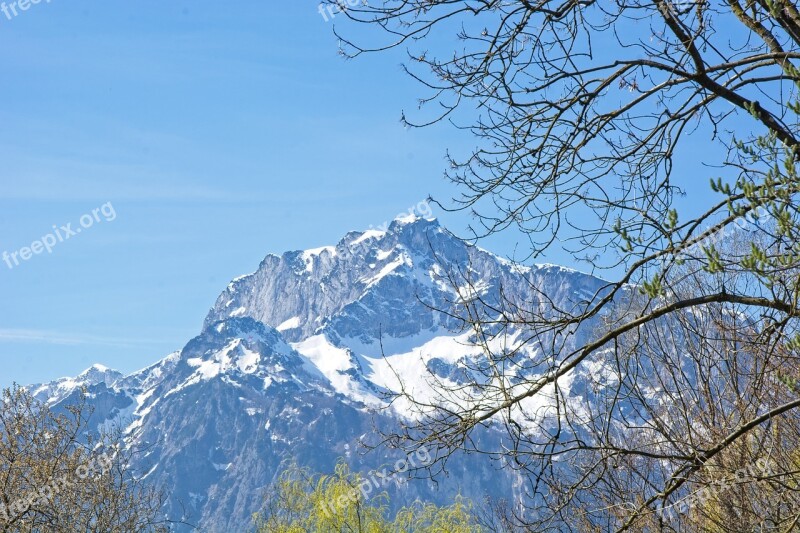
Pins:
<point x="294" y="358"/>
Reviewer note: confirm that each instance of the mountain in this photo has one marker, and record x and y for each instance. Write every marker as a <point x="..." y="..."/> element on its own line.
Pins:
<point x="55" y="391"/>
<point x="294" y="362"/>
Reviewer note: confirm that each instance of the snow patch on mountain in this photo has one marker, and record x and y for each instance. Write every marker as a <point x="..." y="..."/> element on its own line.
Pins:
<point x="369" y="234"/>
<point x="291" y="323"/>
<point x="339" y="366"/>
<point x="315" y="255"/>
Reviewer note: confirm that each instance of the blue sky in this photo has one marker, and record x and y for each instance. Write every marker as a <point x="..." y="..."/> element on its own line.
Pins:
<point x="219" y="132"/>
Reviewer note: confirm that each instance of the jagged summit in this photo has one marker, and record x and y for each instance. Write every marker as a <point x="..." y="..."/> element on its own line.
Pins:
<point x="295" y="291"/>
<point x="300" y="292"/>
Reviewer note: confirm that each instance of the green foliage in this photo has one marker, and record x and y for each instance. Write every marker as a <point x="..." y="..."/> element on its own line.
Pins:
<point x="303" y="502"/>
<point x="714" y="260"/>
<point x="652" y="288"/>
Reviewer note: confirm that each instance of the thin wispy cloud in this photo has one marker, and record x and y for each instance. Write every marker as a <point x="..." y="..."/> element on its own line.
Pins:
<point x="39" y="336"/>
